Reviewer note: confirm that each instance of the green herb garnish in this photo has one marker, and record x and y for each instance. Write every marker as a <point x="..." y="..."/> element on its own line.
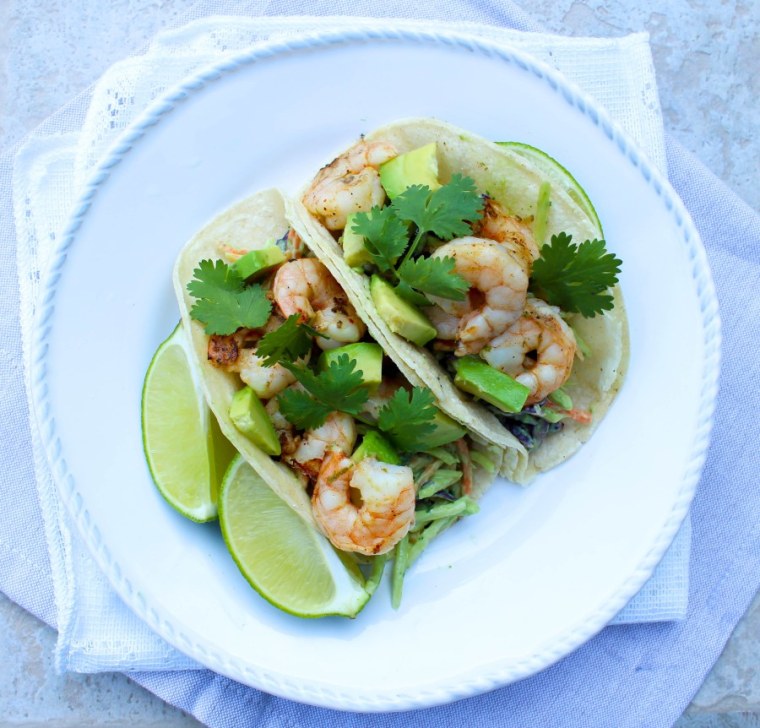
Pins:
<point x="575" y="277"/>
<point x="337" y="388"/>
<point x="447" y="213"/>
<point x="289" y="342"/>
<point x="224" y="303"/>
<point x="408" y="416"/>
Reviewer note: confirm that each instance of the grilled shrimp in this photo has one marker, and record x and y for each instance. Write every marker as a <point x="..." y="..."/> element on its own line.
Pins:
<point x="286" y="431"/>
<point x="386" y="512"/>
<point x="265" y="381"/>
<point x="510" y="231"/>
<point x="237" y="353"/>
<point x="337" y="433"/>
<point x="537" y="350"/>
<point x="305" y="287"/>
<point x="499" y="285"/>
<point x="446" y="324"/>
<point x="350" y="183"/>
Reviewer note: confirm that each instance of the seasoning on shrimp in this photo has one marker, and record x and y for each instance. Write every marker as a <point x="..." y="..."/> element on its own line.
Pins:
<point x="386" y="512"/>
<point x="498" y="287"/>
<point x="305" y="287"/>
<point x="349" y="184"/>
<point x="537" y="350"/>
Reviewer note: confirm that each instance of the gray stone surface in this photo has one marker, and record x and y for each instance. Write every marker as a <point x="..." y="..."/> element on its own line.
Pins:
<point x="33" y="694"/>
<point x="707" y="56"/>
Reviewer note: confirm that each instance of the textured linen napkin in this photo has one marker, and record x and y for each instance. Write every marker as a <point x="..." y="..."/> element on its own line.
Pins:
<point x="96" y="631"/>
<point x="638" y="675"/>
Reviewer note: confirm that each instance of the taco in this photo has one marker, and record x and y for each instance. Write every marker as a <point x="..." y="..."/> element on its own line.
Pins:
<point x="485" y="268"/>
<point x="303" y="389"/>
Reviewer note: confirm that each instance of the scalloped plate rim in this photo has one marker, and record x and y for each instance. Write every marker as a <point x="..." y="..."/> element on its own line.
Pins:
<point x="266" y="680"/>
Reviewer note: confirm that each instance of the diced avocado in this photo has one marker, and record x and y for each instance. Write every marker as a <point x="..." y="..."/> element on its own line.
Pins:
<point x="249" y="416"/>
<point x="403" y="318"/>
<point x="446" y="431"/>
<point x="376" y="446"/>
<point x="354" y="252"/>
<point x="418" y="167"/>
<point x="257" y="263"/>
<point x="478" y="378"/>
<point x="369" y="360"/>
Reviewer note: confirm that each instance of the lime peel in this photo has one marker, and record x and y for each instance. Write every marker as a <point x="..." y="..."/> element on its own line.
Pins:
<point x="557" y="175"/>
<point x="185" y="453"/>
<point x="282" y="557"/>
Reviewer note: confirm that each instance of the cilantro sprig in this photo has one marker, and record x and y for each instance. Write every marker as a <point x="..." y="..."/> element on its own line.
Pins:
<point x="446" y="213"/>
<point x="287" y="343"/>
<point x="224" y="302"/>
<point x="435" y="276"/>
<point x="575" y="277"/>
<point x="385" y="236"/>
<point x="337" y="388"/>
<point x="408" y="416"/>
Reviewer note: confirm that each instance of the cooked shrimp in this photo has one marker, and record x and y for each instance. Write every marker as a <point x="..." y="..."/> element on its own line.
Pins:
<point x="305" y="287"/>
<point x="386" y="512"/>
<point x="286" y="431"/>
<point x="537" y="350"/>
<point x="237" y="353"/>
<point x="265" y="381"/>
<point x="446" y="324"/>
<point x="509" y="230"/>
<point x="337" y="433"/>
<point x="350" y="183"/>
<point x="498" y="287"/>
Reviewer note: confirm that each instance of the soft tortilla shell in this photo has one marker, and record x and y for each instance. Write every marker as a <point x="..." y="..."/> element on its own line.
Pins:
<point x="253" y="223"/>
<point x="514" y="182"/>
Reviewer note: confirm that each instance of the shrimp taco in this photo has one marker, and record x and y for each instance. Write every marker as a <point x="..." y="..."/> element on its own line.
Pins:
<point x="485" y="268"/>
<point x="302" y="388"/>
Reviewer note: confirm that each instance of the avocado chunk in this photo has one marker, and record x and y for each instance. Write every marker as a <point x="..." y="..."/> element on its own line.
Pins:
<point x="418" y="167"/>
<point x="369" y="360"/>
<point x="249" y="416"/>
<point x="403" y="318"/>
<point x="354" y="252"/>
<point x="257" y="263"/>
<point x="499" y="389"/>
<point x="446" y="431"/>
<point x="374" y="445"/>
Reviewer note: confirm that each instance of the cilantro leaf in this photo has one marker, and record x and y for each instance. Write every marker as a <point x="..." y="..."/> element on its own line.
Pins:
<point x="210" y="277"/>
<point x="385" y="236"/>
<point x="435" y="276"/>
<point x="224" y="303"/>
<point x="302" y="409"/>
<point x="410" y="295"/>
<point x="288" y="342"/>
<point x="408" y="417"/>
<point x="447" y="212"/>
<point x="337" y="388"/>
<point x="575" y="277"/>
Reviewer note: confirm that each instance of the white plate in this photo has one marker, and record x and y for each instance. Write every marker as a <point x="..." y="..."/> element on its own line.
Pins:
<point x="506" y="592"/>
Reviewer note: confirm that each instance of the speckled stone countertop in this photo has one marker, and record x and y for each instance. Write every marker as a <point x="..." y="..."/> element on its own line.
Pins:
<point x="707" y="57"/>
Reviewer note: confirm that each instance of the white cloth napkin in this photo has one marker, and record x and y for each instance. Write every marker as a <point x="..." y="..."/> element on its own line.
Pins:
<point x="96" y="631"/>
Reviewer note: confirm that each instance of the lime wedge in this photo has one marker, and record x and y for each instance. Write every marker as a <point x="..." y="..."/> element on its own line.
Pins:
<point x="282" y="557"/>
<point x="186" y="452"/>
<point x="556" y="175"/>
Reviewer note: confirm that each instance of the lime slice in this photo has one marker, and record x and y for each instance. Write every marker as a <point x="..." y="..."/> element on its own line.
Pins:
<point x="282" y="557"/>
<point x="186" y="452"/>
<point x="556" y="175"/>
